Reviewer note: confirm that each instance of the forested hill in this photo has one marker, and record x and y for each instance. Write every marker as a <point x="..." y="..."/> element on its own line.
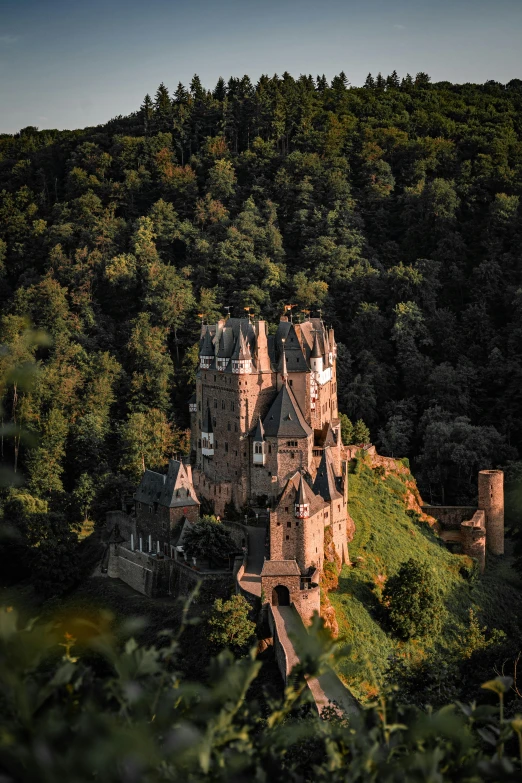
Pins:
<point x="394" y="208"/>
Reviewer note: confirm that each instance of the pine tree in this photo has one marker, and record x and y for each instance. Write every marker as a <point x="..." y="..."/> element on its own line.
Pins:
<point x="392" y="81"/>
<point x="407" y="82"/>
<point x="163" y="108"/>
<point x="322" y="83"/>
<point x="380" y="82"/>
<point x="220" y="90"/>
<point x="147" y="113"/>
<point x="340" y="82"/>
<point x="196" y="88"/>
<point x="370" y="82"/>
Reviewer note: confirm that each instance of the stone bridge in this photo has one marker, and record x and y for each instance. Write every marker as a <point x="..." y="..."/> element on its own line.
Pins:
<point x="286" y="625"/>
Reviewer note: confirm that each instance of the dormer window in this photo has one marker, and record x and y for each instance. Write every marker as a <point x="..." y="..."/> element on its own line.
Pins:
<point x="302" y="510"/>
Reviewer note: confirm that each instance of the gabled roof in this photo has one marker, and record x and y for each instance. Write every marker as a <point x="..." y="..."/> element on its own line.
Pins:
<point x="325" y="484"/>
<point x="192" y="399"/>
<point x="171" y="490"/>
<point x="280" y="568"/>
<point x="284" y="419"/>
<point x="303" y="493"/>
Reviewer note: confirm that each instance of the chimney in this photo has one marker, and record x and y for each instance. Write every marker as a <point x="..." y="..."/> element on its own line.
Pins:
<point x="262" y="358"/>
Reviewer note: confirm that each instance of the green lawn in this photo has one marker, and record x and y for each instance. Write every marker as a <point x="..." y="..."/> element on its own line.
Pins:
<point x="385" y="537"/>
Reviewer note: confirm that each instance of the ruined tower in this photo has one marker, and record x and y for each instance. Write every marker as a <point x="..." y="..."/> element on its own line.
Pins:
<point x="491" y="501"/>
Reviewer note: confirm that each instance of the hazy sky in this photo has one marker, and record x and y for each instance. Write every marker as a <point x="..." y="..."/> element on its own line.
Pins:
<point x="68" y="64"/>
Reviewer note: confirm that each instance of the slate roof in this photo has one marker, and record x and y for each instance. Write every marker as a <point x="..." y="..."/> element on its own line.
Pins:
<point x="325" y="484"/>
<point x="171" y="490"/>
<point x="295" y="358"/>
<point x="226" y="344"/>
<point x="280" y="568"/>
<point x="284" y="419"/>
<point x="259" y="434"/>
<point x="305" y="494"/>
<point x="206" y="347"/>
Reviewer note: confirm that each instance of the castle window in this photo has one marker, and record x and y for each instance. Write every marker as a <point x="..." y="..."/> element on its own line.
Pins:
<point x="235" y="427"/>
<point x="215" y="403"/>
<point x="286" y="509"/>
<point x="292" y="455"/>
<point x="226" y="446"/>
<point x="338" y="507"/>
<point x="199" y="443"/>
<point x="232" y="406"/>
<point x="291" y="443"/>
<point x="291" y="383"/>
<point x="258" y="448"/>
<point x="289" y="524"/>
<point x="214" y="378"/>
<point x="163" y="525"/>
<point x="223" y="404"/>
<point x="269" y="448"/>
<point x="297" y="523"/>
<point x="228" y="426"/>
<point x="339" y="527"/>
<point x="199" y="405"/>
<point x="214" y="421"/>
<point x="288" y="539"/>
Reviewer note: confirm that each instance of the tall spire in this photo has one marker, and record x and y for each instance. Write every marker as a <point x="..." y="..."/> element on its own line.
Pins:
<point x="284" y="372"/>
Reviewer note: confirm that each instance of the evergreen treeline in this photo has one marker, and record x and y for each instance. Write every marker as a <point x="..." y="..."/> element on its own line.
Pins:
<point x="393" y="208"/>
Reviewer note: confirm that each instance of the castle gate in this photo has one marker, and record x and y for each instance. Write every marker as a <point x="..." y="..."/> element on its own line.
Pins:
<point x="280" y="596"/>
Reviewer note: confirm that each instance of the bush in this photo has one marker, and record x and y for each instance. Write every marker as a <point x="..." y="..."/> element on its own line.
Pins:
<point x="413" y="600"/>
<point x="208" y="539"/>
<point x="230" y="625"/>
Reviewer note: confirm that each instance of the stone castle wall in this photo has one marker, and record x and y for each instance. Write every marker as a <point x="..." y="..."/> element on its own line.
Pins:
<point x="449" y="517"/>
<point x="307" y="602"/>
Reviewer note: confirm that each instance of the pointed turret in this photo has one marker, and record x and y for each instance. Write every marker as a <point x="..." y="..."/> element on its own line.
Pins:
<point x="302" y="504"/>
<point x="206" y="350"/>
<point x="242" y="356"/>
<point x="316" y="357"/>
<point x="325" y="484"/>
<point x="258" y="444"/>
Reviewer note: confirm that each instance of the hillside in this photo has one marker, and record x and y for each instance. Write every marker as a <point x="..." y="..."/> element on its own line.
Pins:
<point x="386" y="536"/>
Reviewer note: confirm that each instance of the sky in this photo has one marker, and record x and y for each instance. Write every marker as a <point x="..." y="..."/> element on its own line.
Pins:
<point x="71" y="64"/>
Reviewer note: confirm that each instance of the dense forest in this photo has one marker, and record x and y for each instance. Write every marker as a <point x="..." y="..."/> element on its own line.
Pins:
<point x="393" y="209"/>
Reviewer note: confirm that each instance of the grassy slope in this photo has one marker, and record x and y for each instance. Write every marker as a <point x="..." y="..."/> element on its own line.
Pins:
<point x="385" y="537"/>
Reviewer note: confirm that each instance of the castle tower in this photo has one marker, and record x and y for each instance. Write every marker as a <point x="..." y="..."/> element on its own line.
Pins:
<point x="491" y="501"/>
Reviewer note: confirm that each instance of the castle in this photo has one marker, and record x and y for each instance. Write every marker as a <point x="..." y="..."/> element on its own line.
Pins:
<point x="266" y="440"/>
<point x="265" y="437"/>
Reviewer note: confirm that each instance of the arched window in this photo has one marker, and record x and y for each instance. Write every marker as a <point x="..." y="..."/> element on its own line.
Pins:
<point x="258" y="448"/>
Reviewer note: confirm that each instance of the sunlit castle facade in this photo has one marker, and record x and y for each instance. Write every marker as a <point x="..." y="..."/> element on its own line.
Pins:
<point x="264" y="423"/>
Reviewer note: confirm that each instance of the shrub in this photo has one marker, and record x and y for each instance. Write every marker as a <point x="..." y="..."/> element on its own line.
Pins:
<point x="230" y="625"/>
<point x="414" y="603"/>
<point x="208" y="539"/>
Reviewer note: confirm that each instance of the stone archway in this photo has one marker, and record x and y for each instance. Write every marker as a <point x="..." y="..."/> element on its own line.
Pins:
<point x="280" y="596"/>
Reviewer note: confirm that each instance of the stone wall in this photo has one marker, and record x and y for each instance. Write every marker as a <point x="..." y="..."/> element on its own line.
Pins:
<point x="293" y="583"/>
<point x="125" y="522"/>
<point x="238" y="532"/>
<point x="473" y="538"/>
<point x="307" y="602"/>
<point x="449" y="517"/>
<point x="133" y="568"/>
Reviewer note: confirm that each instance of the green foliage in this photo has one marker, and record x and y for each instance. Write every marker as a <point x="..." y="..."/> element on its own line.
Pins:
<point x="84" y="684"/>
<point x="230" y="625"/>
<point x="385" y="536"/>
<point x="346" y="429"/>
<point x="208" y="539"/>
<point x="413" y="601"/>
